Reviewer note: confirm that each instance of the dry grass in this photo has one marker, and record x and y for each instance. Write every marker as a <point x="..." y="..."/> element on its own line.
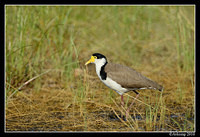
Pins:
<point x="56" y="108"/>
<point x="48" y="87"/>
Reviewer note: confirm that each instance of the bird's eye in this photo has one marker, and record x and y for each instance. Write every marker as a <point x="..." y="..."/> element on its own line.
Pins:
<point x="95" y="57"/>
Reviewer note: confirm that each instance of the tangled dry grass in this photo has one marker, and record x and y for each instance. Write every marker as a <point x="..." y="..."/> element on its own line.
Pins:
<point x="55" y="108"/>
<point x="48" y="88"/>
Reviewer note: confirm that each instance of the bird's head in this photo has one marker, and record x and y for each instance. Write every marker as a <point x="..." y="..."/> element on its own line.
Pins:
<point x="97" y="59"/>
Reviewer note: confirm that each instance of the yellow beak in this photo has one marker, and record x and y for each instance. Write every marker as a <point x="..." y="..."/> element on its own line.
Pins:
<point x="91" y="60"/>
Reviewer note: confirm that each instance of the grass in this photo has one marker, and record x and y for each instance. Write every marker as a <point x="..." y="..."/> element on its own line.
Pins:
<point x="48" y="86"/>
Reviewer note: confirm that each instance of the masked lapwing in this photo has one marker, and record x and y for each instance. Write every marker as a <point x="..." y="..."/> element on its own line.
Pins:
<point x="121" y="78"/>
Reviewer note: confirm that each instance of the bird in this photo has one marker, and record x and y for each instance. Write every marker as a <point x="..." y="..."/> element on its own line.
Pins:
<point x="121" y="78"/>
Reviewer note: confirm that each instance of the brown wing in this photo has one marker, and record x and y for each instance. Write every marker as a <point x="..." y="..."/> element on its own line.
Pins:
<point x="128" y="77"/>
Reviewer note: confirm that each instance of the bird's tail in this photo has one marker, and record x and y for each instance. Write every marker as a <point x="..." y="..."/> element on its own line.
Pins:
<point x="160" y="88"/>
<point x="155" y="85"/>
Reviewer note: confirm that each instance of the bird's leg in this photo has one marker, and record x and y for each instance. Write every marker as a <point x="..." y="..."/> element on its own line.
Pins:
<point x="127" y="112"/>
<point x="122" y="100"/>
<point x="122" y="104"/>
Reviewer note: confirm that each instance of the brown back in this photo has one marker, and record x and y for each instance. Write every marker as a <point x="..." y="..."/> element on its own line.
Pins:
<point x="129" y="78"/>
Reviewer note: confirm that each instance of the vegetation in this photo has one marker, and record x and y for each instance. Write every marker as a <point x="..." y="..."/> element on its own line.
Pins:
<point x="48" y="87"/>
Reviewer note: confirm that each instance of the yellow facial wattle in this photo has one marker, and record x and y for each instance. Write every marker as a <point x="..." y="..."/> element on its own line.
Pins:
<point x="91" y="60"/>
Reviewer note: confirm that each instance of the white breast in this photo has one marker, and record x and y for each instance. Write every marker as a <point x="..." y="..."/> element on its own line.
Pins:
<point x="114" y="85"/>
<point x="109" y="82"/>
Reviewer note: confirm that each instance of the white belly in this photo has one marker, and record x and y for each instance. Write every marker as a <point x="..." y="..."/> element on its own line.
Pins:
<point x="114" y="85"/>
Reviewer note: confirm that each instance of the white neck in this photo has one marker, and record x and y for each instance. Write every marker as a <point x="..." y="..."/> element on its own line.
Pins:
<point x="99" y="63"/>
